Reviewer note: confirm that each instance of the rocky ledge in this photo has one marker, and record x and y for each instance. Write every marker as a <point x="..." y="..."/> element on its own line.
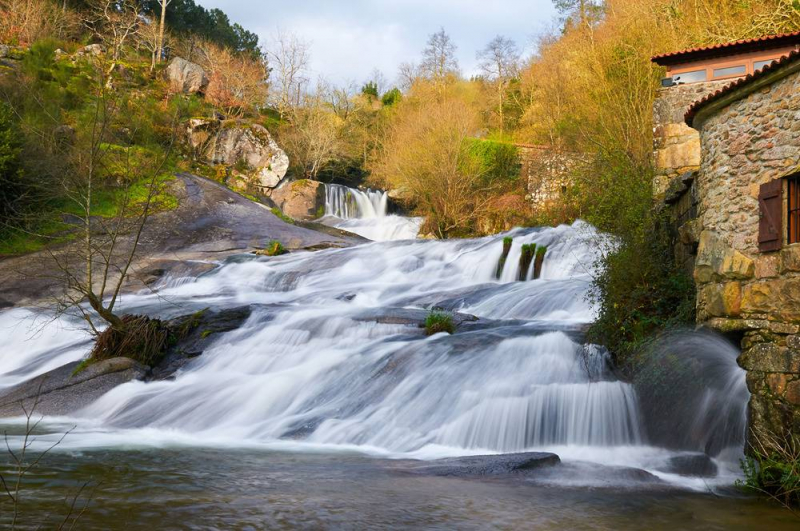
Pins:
<point x="69" y="388"/>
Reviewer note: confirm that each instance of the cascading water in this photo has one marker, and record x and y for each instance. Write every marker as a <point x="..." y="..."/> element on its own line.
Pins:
<point x="366" y="213"/>
<point x="330" y="357"/>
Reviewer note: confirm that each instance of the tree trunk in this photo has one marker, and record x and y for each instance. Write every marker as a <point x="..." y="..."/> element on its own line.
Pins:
<point x="160" y="46"/>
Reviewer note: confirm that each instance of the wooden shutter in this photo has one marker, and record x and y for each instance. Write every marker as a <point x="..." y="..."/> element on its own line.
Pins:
<point x="770" y="204"/>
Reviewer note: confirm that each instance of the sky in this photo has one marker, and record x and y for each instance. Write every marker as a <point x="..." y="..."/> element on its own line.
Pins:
<point x="349" y="39"/>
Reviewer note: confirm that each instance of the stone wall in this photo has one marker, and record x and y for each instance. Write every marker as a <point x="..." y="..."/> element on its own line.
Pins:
<point x="549" y="173"/>
<point x="676" y="146"/>
<point x="741" y="290"/>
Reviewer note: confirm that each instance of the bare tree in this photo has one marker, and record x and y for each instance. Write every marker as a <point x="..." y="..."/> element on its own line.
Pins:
<point x="161" y="25"/>
<point x="439" y="57"/>
<point x="289" y="58"/>
<point x="499" y="61"/>
<point x="406" y="75"/>
<point x="113" y="22"/>
<point x="150" y="37"/>
<point x="312" y="136"/>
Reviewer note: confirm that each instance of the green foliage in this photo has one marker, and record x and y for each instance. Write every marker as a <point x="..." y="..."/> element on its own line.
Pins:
<point x="392" y="97"/>
<point x="540" y="251"/>
<point x="187" y="17"/>
<point x="273" y="248"/>
<point x="437" y="322"/>
<point x="370" y="89"/>
<point x="640" y="292"/>
<point x="11" y="183"/>
<point x="499" y="161"/>
<point x="773" y="468"/>
<point x="286" y="219"/>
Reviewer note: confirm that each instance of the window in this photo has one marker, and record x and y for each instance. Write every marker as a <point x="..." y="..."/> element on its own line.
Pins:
<point x="794" y="209"/>
<point x="690" y="77"/>
<point x="758" y="65"/>
<point x="730" y="71"/>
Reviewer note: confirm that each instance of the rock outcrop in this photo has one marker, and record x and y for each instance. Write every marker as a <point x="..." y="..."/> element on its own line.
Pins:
<point x="186" y="77"/>
<point x="67" y="389"/>
<point x="255" y="158"/>
<point x="303" y="199"/>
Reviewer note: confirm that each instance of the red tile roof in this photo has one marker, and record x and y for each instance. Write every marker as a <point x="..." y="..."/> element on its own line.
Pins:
<point x="745" y="45"/>
<point x="727" y="89"/>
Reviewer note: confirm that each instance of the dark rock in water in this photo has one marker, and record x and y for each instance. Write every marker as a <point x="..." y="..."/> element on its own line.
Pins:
<point x="407" y="316"/>
<point x="62" y="391"/>
<point x="695" y="465"/>
<point x="195" y="333"/>
<point x="488" y="465"/>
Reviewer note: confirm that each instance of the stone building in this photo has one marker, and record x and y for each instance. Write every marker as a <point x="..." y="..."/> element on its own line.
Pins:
<point x="549" y="174"/>
<point x="692" y="75"/>
<point x="747" y="265"/>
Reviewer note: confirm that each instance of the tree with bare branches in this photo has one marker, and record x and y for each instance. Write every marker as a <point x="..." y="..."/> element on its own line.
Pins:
<point x="499" y="61"/>
<point x="289" y="57"/>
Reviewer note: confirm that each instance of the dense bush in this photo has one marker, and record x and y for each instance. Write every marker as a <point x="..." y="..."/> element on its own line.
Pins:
<point x="640" y="291"/>
<point x="499" y="160"/>
<point x="11" y="184"/>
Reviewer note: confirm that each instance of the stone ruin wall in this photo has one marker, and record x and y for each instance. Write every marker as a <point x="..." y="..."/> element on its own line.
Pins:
<point x="550" y="174"/>
<point x="755" y="295"/>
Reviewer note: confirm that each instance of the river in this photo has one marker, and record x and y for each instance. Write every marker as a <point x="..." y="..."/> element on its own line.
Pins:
<point x="317" y="412"/>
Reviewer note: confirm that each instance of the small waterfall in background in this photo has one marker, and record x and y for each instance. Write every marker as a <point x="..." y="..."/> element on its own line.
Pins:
<point x="329" y="359"/>
<point x="365" y="212"/>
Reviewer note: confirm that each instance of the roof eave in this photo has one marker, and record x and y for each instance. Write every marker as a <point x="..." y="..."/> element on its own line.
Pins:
<point x="701" y="111"/>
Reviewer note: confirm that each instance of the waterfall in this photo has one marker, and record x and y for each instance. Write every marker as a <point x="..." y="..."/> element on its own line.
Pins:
<point x="331" y="358"/>
<point x="348" y="203"/>
<point x="365" y="212"/>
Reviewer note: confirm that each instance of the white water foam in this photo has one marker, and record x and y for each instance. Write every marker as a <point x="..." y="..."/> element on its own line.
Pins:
<point x="365" y="212"/>
<point x="326" y="361"/>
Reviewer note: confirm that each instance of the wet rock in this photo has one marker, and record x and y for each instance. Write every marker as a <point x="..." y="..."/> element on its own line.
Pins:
<point x="4" y="51"/>
<point x="257" y="158"/>
<point x="62" y="391"/>
<point x="302" y="200"/>
<point x="407" y="316"/>
<point x="195" y="334"/>
<point x="186" y="77"/>
<point x="488" y="465"/>
<point x="694" y="465"/>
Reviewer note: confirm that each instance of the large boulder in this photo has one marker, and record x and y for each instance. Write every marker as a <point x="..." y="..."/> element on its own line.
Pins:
<point x="186" y="77"/>
<point x="248" y="148"/>
<point x="303" y="199"/>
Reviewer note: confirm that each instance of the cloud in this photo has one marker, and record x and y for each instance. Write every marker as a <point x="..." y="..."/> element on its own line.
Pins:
<point x="350" y="38"/>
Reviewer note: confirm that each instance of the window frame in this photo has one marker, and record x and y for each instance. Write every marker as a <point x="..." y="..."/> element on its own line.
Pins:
<point x="792" y="209"/>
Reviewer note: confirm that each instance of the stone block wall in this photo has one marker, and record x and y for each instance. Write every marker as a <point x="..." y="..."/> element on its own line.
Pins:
<point x="676" y="146"/>
<point x="755" y="294"/>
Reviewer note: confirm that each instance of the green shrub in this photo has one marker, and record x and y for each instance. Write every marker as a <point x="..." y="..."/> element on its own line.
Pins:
<point x="273" y="248"/>
<point x="640" y="292"/>
<point x="499" y="160"/>
<point x="392" y="97"/>
<point x="437" y="322"/>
